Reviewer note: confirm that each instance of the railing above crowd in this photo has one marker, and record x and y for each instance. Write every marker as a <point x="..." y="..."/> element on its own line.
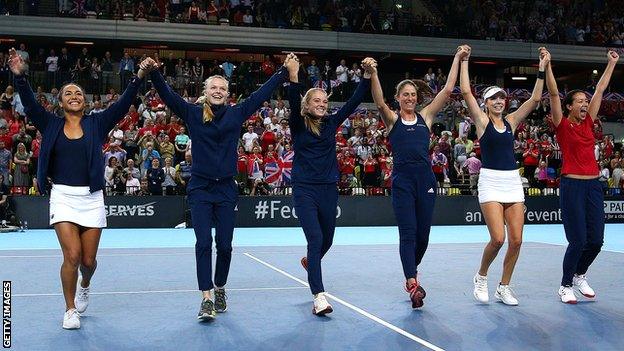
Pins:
<point x="575" y="22"/>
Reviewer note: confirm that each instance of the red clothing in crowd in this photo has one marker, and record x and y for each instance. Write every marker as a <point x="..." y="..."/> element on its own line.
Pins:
<point x="346" y="165"/>
<point x="267" y="138"/>
<point x="130" y="118"/>
<point x="545" y="148"/>
<point x="531" y="157"/>
<point x="242" y="163"/>
<point x="369" y="165"/>
<point x="383" y="162"/>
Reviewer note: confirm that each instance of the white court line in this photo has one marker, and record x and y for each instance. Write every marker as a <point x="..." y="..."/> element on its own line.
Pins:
<point x="160" y="291"/>
<point x="543" y="242"/>
<point x="355" y="308"/>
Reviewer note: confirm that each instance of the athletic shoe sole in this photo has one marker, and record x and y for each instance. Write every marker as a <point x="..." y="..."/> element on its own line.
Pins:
<point x="499" y="298"/>
<point x="71" y="328"/>
<point x="587" y="296"/>
<point x="304" y="263"/>
<point x="417" y="297"/>
<point x="206" y="317"/>
<point x="323" y="312"/>
<point x="221" y="311"/>
<point x="474" y="294"/>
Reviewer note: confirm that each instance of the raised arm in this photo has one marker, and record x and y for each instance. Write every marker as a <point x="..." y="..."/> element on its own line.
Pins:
<point x="115" y="112"/>
<point x="255" y="100"/>
<point x="553" y="94"/>
<point x="603" y="83"/>
<point x="478" y="116"/>
<point x="387" y="115"/>
<point x="294" y="91"/>
<point x="174" y="101"/>
<point x="431" y="110"/>
<point x="530" y="105"/>
<point x="32" y="108"/>
<point x="356" y="99"/>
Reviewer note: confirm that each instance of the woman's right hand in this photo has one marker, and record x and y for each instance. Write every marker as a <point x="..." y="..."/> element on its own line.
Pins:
<point x="463" y="52"/>
<point x="16" y="63"/>
<point x="292" y="64"/>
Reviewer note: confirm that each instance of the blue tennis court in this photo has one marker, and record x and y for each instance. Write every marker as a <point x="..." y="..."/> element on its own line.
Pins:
<point x="144" y="295"/>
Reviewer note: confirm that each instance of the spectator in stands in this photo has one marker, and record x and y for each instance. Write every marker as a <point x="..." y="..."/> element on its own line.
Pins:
<point x="314" y="73"/>
<point x="132" y="183"/>
<point x="315" y="171"/>
<point x="439" y="165"/>
<point x="112" y="171"/>
<point x="228" y="68"/>
<point x="5" y="162"/>
<point x="530" y="162"/>
<point x="250" y="139"/>
<point x="473" y="165"/>
<point x="413" y="184"/>
<point x="51" y="68"/>
<point x="181" y="145"/>
<point x="167" y="149"/>
<point x="4" y="203"/>
<point x="170" y="177"/>
<point x="131" y="169"/>
<point x="183" y="173"/>
<point x="148" y="155"/>
<point x="21" y="172"/>
<point x="126" y="69"/>
<point x="342" y="75"/>
<point x="501" y="195"/>
<point x="155" y="176"/>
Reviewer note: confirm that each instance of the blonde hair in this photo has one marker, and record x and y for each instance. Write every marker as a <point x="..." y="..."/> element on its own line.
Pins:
<point x="203" y="100"/>
<point x="313" y="124"/>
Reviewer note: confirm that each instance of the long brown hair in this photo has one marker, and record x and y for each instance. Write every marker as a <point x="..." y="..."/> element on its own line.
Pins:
<point x="421" y="87"/>
<point x="312" y="123"/>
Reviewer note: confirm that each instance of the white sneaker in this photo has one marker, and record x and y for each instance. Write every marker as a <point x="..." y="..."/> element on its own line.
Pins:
<point x="480" y="288"/>
<point x="82" y="297"/>
<point x="321" y="306"/>
<point x="567" y="295"/>
<point x="506" y="295"/>
<point x="580" y="283"/>
<point x="71" y="319"/>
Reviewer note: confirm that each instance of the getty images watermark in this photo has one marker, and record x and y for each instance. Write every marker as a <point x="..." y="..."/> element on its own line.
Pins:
<point x="6" y="314"/>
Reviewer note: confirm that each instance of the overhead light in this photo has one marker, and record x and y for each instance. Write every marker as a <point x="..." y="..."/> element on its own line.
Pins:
<point x="399" y="6"/>
<point x="295" y="52"/>
<point x="7" y="40"/>
<point x="423" y="59"/>
<point x="519" y="78"/>
<point x="226" y="50"/>
<point x="79" y="43"/>
<point x="485" y="62"/>
<point x="595" y="71"/>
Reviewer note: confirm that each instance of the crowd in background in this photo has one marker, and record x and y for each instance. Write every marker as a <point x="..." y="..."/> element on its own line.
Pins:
<point x="577" y="22"/>
<point x="149" y="151"/>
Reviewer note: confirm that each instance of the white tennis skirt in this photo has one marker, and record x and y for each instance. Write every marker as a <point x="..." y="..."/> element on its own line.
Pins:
<point x="76" y="204"/>
<point x="500" y="186"/>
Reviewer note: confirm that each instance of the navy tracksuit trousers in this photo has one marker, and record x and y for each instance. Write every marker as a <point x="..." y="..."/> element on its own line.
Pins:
<point x="315" y="206"/>
<point x="212" y="205"/>
<point x="582" y="212"/>
<point x="413" y="199"/>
